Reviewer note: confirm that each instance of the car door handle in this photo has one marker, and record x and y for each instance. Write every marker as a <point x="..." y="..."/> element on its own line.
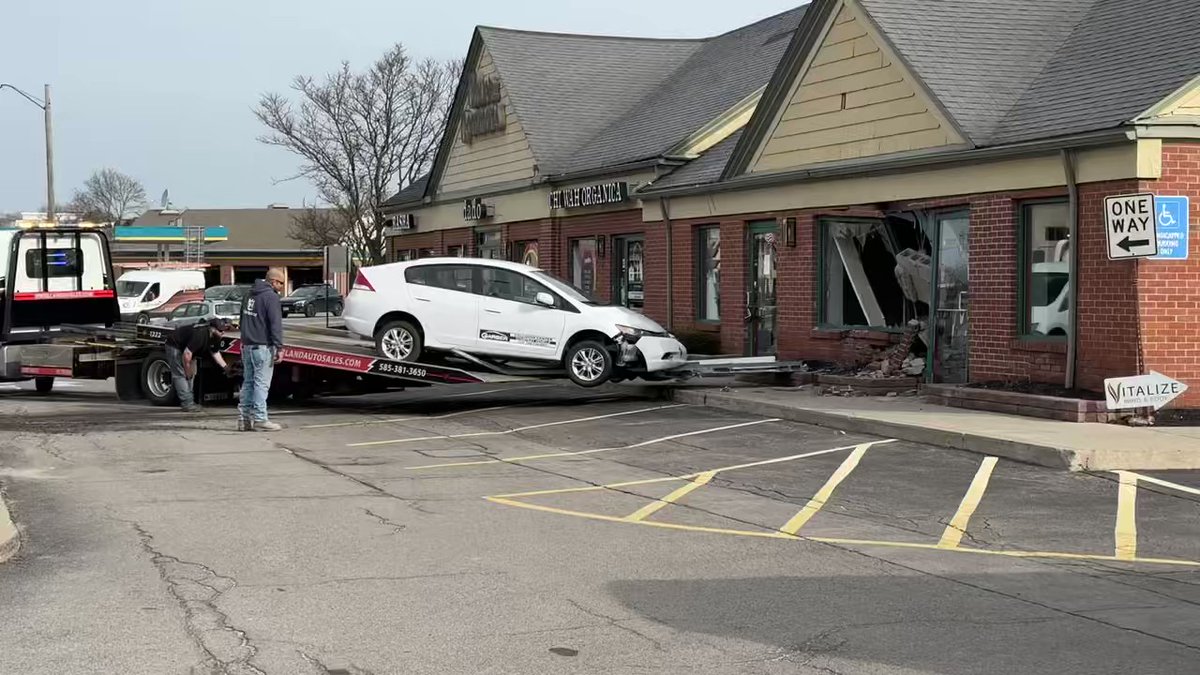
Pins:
<point x="422" y="299"/>
<point x="493" y="311"/>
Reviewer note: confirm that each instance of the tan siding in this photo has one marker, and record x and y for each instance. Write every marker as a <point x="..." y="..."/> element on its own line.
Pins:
<point x="1190" y="106"/>
<point x="489" y="160"/>
<point x="853" y="100"/>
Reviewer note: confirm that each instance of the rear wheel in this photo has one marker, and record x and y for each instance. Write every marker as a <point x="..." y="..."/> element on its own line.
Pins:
<point x="398" y="341"/>
<point x="337" y="308"/>
<point x="589" y="363"/>
<point x="156" y="380"/>
<point x="43" y="385"/>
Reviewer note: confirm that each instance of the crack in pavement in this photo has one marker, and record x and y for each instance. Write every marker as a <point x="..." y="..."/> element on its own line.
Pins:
<point x="618" y="623"/>
<point x="197" y="588"/>
<point x="353" y="580"/>
<point x="414" y="504"/>
<point x="397" y="528"/>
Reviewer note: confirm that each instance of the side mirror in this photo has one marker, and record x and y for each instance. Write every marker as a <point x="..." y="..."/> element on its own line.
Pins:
<point x="544" y="299"/>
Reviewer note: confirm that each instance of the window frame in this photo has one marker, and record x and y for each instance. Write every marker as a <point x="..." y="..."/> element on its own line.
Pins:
<point x="700" y="251"/>
<point x="822" y="267"/>
<point x="475" y="277"/>
<point x="559" y="301"/>
<point x="1025" y="271"/>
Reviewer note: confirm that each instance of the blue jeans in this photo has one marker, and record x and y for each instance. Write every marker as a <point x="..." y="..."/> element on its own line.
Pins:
<point x="258" y="365"/>
<point x="183" y="386"/>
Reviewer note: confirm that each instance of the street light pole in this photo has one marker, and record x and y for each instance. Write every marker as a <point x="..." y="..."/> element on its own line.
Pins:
<point x="45" y="106"/>
<point x="50" y="210"/>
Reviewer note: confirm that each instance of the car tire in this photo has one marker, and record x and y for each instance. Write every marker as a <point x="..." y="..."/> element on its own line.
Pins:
<point x="143" y="319"/>
<point x="43" y="385"/>
<point x="156" y="380"/>
<point x="337" y="309"/>
<point x="310" y="311"/>
<point x="285" y="313"/>
<point x="398" y="341"/>
<point x="589" y="363"/>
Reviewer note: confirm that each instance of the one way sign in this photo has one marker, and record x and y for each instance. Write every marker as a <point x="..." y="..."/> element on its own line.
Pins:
<point x="1131" y="226"/>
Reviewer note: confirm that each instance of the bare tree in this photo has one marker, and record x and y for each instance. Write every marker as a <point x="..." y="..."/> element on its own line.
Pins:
<point x="109" y="196"/>
<point x="318" y="228"/>
<point x="359" y="135"/>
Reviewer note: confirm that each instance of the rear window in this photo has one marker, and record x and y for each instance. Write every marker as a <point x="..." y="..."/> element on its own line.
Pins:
<point x="449" y="277"/>
<point x="59" y="262"/>
<point x="227" y="309"/>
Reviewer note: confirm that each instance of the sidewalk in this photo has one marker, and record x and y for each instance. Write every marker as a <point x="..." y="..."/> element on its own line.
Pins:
<point x="10" y="539"/>
<point x="1074" y="446"/>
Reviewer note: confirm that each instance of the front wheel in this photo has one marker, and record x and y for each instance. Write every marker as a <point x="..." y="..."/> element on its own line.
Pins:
<point x="398" y="341"/>
<point x="310" y="311"/>
<point x="143" y="319"/>
<point x="589" y="363"/>
<point x="43" y="385"/>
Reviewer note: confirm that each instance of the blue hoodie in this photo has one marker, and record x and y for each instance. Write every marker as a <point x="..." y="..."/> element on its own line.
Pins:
<point x="262" y="317"/>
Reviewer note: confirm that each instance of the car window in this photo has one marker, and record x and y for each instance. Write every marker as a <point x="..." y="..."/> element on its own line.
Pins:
<point x="179" y="311"/>
<point x="228" y="309"/>
<point x="195" y="309"/>
<point x="510" y="285"/>
<point x="449" y="277"/>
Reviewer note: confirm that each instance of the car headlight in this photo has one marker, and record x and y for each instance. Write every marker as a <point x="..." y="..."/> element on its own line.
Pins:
<point x="632" y="332"/>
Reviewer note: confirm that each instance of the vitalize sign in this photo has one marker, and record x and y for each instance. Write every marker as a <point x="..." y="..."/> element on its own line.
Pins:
<point x="601" y="194"/>
<point x="1143" y="391"/>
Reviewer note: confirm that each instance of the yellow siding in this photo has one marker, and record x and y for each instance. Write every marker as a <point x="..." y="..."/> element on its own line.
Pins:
<point x="854" y="99"/>
<point x="1190" y="106"/>
<point x="498" y="158"/>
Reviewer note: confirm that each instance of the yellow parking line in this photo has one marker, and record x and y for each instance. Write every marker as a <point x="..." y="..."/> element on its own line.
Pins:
<point x="655" y="506"/>
<point x="953" y="535"/>
<point x="1125" y="532"/>
<point x="552" y="455"/>
<point x="480" y="434"/>
<point x="667" y="479"/>
<point x="822" y="497"/>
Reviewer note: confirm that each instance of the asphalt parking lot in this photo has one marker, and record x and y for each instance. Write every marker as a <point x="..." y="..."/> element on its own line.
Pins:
<point x="545" y="528"/>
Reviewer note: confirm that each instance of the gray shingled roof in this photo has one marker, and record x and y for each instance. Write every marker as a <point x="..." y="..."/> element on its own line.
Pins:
<point x="978" y="57"/>
<point x="566" y="88"/>
<point x="701" y="171"/>
<point x="1122" y="58"/>
<point x="722" y="72"/>
<point x="409" y="195"/>
<point x="249" y="229"/>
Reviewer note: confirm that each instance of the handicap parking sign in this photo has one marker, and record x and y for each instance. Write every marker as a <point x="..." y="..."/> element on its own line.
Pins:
<point x="1172" y="216"/>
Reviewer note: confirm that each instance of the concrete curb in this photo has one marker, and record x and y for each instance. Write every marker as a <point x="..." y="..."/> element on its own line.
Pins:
<point x="1041" y="455"/>
<point x="10" y="537"/>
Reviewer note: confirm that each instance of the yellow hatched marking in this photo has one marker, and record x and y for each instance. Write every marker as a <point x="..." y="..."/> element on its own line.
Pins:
<point x="1125" y="532"/>
<point x="819" y="500"/>
<point x="953" y="535"/>
<point x="655" y="506"/>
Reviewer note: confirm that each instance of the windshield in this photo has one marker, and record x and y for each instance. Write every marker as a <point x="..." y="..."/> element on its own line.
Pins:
<point x="1047" y="286"/>
<point x="217" y="292"/>
<point x="565" y="289"/>
<point x="131" y="289"/>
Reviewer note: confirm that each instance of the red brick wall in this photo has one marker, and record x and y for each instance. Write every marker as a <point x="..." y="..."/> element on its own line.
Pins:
<point x="1169" y="291"/>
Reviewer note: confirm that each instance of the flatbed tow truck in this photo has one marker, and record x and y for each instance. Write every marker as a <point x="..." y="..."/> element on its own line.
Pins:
<point x="316" y="361"/>
<point x="59" y="318"/>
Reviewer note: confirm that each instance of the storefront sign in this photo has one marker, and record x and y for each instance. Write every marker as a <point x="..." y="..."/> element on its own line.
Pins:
<point x="404" y="221"/>
<point x="475" y="209"/>
<point x="484" y="111"/>
<point x="590" y="195"/>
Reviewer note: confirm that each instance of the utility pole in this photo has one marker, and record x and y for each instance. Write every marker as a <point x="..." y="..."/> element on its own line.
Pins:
<point x="50" y="209"/>
<point x="45" y="106"/>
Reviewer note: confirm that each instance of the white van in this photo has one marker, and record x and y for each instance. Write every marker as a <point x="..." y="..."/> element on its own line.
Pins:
<point x="143" y="291"/>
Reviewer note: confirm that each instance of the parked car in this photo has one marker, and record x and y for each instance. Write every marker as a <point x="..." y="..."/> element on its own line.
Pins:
<point x="200" y="311"/>
<point x="167" y="308"/>
<point x="505" y="311"/>
<point x="312" y="299"/>
<point x="231" y="292"/>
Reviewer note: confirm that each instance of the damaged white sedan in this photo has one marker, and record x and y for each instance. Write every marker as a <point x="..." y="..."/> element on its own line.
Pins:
<point x="505" y="312"/>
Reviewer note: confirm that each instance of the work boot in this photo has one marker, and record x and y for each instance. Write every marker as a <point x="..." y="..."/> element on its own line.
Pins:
<point x="245" y="424"/>
<point x="266" y="426"/>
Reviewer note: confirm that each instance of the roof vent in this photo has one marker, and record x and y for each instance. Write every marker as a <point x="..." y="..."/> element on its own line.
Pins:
<point x="277" y="206"/>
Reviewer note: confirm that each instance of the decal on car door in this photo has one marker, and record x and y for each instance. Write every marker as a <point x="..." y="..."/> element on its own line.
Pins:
<point x="518" y="338"/>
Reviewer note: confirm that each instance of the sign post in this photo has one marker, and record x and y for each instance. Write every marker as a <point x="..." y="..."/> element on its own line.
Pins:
<point x="1142" y="391"/>
<point x="1131" y="226"/>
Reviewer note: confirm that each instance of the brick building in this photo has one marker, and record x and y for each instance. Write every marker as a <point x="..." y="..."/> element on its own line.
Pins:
<point x="892" y="182"/>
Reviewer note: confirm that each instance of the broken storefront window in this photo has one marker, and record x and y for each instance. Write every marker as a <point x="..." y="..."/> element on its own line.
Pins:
<point x="876" y="272"/>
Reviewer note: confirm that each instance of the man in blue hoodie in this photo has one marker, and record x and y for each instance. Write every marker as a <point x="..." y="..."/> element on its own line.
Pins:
<point x="262" y="348"/>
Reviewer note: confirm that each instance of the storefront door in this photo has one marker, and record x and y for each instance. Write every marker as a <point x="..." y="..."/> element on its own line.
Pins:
<point x="629" y="271"/>
<point x="951" y="294"/>
<point x="760" y="289"/>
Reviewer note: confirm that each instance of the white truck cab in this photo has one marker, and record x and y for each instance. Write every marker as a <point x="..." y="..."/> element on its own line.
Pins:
<point x="143" y="291"/>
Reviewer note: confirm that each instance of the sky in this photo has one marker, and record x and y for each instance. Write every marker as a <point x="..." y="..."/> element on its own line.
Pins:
<point x="164" y="90"/>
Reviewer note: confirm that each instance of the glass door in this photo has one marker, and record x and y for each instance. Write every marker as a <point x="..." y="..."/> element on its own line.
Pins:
<point x="951" y="299"/>
<point x="629" y="271"/>
<point x="760" y="290"/>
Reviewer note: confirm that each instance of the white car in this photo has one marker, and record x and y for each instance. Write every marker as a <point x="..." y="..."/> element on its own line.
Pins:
<point x="504" y="311"/>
